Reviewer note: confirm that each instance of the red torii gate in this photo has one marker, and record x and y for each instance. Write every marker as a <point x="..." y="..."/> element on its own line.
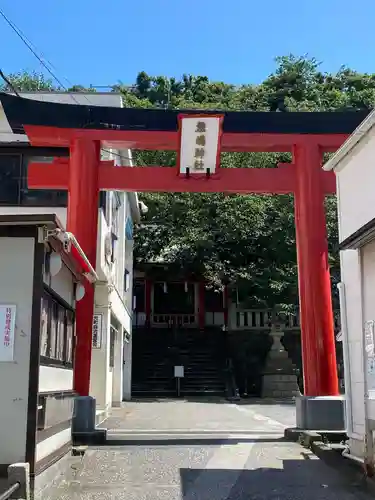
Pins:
<point x="84" y="175"/>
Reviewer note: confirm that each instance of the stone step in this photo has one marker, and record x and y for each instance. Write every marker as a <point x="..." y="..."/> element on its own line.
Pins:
<point x="280" y="394"/>
<point x="275" y="386"/>
<point x="279" y="377"/>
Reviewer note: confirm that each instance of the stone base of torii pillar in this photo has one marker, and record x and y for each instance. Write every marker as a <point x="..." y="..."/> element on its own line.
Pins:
<point x="279" y="374"/>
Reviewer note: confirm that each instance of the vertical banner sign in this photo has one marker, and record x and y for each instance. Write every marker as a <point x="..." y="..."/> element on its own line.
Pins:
<point x="370" y="354"/>
<point x="200" y="142"/>
<point x="97" y="326"/>
<point x="7" y="332"/>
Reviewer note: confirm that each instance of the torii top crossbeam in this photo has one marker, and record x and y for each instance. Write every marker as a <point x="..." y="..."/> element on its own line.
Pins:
<point x="158" y="129"/>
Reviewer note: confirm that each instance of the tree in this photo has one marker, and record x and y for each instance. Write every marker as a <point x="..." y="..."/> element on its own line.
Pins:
<point x="81" y="88"/>
<point x="25" y="81"/>
<point x="28" y="82"/>
<point x="249" y="240"/>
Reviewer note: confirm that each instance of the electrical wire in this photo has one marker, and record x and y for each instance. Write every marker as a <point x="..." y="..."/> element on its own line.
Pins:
<point x="45" y="62"/>
<point x="29" y="45"/>
<point x="41" y="55"/>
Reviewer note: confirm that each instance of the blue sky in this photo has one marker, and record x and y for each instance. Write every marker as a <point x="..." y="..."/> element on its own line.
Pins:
<point x="101" y="43"/>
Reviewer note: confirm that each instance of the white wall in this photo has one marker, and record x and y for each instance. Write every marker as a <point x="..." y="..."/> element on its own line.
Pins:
<point x="355" y="186"/>
<point x="55" y="379"/>
<point x="16" y="287"/>
<point x="99" y="379"/>
<point x="108" y="389"/>
<point x="117" y="381"/>
<point x="127" y="375"/>
<point x="107" y="384"/>
<point x="55" y="442"/>
<point x="355" y="177"/>
<point x="351" y="277"/>
<point x="368" y="310"/>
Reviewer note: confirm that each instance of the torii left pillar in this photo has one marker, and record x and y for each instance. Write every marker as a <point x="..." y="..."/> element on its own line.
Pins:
<point x="83" y="201"/>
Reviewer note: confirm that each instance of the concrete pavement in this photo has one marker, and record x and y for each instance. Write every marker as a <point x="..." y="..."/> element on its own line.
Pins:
<point x="202" y="415"/>
<point x="255" y="470"/>
<point x="240" y="454"/>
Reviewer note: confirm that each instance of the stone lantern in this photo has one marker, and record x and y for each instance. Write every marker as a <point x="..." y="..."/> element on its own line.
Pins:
<point x="279" y="375"/>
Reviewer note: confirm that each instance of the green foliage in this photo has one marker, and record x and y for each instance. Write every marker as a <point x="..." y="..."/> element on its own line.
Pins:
<point x="81" y="88"/>
<point x="25" y="81"/>
<point x="249" y="240"/>
<point x="28" y="82"/>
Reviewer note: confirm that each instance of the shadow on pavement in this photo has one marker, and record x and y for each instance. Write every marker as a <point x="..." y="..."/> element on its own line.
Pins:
<point x="218" y="400"/>
<point x="191" y="442"/>
<point x="266" y="402"/>
<point x="293" y="479"/>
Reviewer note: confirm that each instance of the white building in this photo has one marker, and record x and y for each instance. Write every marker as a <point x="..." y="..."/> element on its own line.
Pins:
<point x="354" y="166"/>
<point x="118" y="211"/>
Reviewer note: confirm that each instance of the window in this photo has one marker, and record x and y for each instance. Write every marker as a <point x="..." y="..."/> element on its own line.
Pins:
<point x="40" y="197"/>
<point x="126" y="281"/>
<point x="112" y="339"/>
<point x="139" y="294"/>
<point x="53" y="333"/>
<point x="13" y="179"/>
<point x="174" y="298"/>
<point x="213" y="300"/>
<point x="56" y="332"/>
<point x="116" y="204"/>
<point x="44" y="327"/>
<point x="10" y="173"/>
<point x="103" y="202"/>
<point x="129" y="229"/>
<point x="69" y="336"/>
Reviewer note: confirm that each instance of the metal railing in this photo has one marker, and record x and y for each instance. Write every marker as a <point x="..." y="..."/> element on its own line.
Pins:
<point x="174" y="320"/>
<point x="166" y="320"/>
<point x="9" y="492"/>
<point x="253" y="319"/>
<point x="246" y="319"/>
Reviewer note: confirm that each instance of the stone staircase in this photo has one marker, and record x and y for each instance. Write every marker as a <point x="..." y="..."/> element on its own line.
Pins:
<point x="202" y="358"/>
<point x="152" y="364"/>
<point x="157" y="351"/>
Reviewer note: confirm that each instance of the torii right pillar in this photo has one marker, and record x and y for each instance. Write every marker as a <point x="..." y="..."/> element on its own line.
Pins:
<point x="317" y="327"/>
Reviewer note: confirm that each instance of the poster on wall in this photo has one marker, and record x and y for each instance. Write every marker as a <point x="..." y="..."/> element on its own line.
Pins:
<point x="7" y="331"/>
<point x="97" y="326"/>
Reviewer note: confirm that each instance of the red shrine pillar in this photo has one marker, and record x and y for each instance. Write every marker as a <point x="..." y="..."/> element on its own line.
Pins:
<point x="317" y="331"/>
<point x="201" y="305"/>
<point x="226" y="305"/>
<point x="148" y="297"/>
<point x="83" y="203"/>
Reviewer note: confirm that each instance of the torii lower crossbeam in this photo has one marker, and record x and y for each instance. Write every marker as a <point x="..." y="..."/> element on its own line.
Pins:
<point x="280" y="180"/>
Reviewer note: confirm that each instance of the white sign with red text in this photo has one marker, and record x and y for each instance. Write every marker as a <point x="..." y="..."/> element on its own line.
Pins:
<point x="200" y="144"/>
<point x="7" y="331"/>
